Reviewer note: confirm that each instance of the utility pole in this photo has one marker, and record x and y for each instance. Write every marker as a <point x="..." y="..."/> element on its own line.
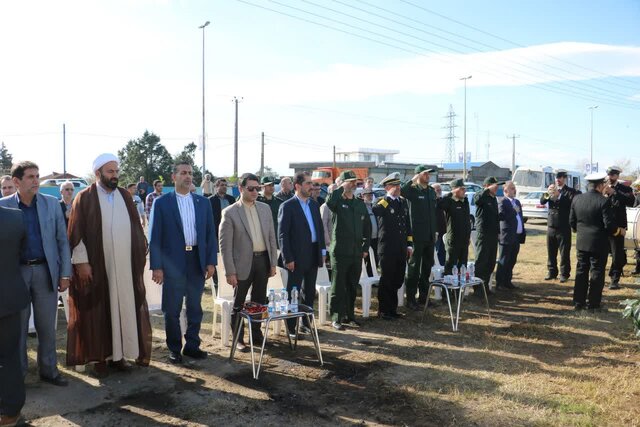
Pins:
<point x="591" y="152"/>
<point x="64" y="150"/>
<point x="334" y="156"/>
<point x="513" y="152"/>
<point x="204" y="141"/>
<point x="450" y="151"/>
<point x="464" y="151"/>
<point x="262" y="157"/>
<point x="235" y="139"/>
<point x="477" y="116"/>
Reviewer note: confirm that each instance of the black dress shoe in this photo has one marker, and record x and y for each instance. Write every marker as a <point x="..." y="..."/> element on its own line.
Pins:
<point x="195" y="353"/>
<point x="550" y="276"/>
<point x="175" y="358"/>
<point x="510" y="286"/>
<point x="121" y="365"/>
<point x="614" y="284"/>
<point x="58" y="380"/>
<point x="563" y="279"/>
<point x="386" y="316"/>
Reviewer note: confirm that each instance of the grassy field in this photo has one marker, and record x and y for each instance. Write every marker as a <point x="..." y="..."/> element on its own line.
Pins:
<point x="536" y="362"/>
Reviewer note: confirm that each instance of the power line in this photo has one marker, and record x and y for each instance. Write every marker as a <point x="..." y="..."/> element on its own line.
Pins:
<point x="511" y="42"/>
<point x="537" y="85"/>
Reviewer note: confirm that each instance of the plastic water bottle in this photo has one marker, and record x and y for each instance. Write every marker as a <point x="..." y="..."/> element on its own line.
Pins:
<point x="284" y="300"/>
<point x="463" y="274"/>
<point x="294" y="300"/>
<point x="454" y="272"/>
<point x="276" y="302"/>
<point x="472" y="270"/>
<point x="272" y="302"/>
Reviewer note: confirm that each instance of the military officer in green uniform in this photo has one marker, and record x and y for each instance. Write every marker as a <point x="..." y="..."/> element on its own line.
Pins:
<point x="349" y="243"/>
<point x="269" y="198"/>
<point x="394" y="245"/>
<point x="456" y="208"/>
<point x="422" y="211"/>
<point x="488" y="229"/>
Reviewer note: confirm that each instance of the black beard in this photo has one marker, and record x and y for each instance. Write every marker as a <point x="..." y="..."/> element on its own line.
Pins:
<point x="109" y="183"/>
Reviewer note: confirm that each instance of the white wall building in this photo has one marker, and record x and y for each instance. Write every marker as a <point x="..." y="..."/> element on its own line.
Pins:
<point x="376" y="155"/>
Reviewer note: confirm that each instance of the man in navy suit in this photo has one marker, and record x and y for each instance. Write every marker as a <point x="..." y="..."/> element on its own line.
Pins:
<point x="301" y="237"/>
<point x="184" y="251"/>
<point x="512" y="234"/>
<point x="14" y="298"/>
<point x="45" y="264"/>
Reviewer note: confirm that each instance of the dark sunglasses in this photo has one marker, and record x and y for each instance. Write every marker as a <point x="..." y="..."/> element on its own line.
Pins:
<point x="256" y="188"/>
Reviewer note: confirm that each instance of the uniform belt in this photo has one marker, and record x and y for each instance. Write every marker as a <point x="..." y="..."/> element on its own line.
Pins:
<point x="189" y="248"/>
<point x="260" y="253"/>
<point x="37" y="261"/>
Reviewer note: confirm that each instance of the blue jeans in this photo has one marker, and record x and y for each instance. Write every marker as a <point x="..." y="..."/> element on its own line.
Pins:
<point x="175" y="290"/>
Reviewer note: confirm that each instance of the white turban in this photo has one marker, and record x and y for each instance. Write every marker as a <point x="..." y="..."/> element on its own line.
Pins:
<point x="103" y="159"/>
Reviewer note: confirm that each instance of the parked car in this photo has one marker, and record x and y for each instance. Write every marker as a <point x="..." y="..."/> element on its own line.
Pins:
<point x="77" y="182"/>
<point x="531" y="207"/>
<point x="472" y="209"/>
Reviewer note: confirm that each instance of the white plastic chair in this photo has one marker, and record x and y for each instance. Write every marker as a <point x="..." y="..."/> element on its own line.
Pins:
<point x="223" y="302"/>
<point x="367" y="282"/>
<point x="323" y="288"/>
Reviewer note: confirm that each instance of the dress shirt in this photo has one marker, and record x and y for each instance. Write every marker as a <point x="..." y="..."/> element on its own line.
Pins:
<point x="188" y="217"/>
<point x="374" y="222"/>
<point x="307" y="214"/>
<point x="33" y="249"/>
<point x="224" y="203"/>
<point x="520" y="229"/>
<point x="254" y="227"/>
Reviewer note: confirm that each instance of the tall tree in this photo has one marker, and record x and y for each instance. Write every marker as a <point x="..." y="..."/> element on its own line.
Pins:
<point x="147" y="157"/>
<point x="6" y="160"/>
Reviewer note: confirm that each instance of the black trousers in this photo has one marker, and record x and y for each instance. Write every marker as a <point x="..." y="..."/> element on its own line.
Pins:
<point x="456" y="256"/>
<point x="420" y="264"/>
<point x="589" y="278"/>
<point x="257" y="281"/>
<point x="305" y="281"/>
<point x="559" y="240"/>
<point x="618" y="256"/>
<point x="486" y="253"/>
<point x="392" y="266"/>
<point x="12" y="394"/>
<point x="506" y="261"/>
<point x="367" y="260"/>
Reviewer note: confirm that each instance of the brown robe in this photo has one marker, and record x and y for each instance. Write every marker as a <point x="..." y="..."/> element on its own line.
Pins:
<point x="89" y="330"/>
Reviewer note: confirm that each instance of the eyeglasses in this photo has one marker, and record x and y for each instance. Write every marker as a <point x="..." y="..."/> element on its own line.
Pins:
<point x="252" y="188"/>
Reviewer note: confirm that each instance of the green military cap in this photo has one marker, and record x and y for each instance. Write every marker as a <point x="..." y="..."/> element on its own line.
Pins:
<point x="457" y="183"/>
<point x="393" y="179"/>
<point x="266" y="180"/>
<point x="348" y="175"/>
<point x="423" y="168"/>
<point x="490" y="180"/>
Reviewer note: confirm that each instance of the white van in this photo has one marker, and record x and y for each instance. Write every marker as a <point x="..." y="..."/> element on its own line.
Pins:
<point x="538" y="178"/>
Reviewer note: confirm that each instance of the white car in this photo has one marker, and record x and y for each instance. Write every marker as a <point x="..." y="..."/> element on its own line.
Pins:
<point x="531" y="207"/>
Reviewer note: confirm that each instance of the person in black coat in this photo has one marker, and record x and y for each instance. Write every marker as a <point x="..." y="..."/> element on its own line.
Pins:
<point x="559" y="197"/>
<point x="593" y="219"/>
<point x="395" y="245"/>
<point x="301" y="237"/>
<point x="621" y="197"/>
<point x="488" y="228"/>
<point x="219" y="201"/>
<point x="13" y="299"/>
<point x="512" y="234"/>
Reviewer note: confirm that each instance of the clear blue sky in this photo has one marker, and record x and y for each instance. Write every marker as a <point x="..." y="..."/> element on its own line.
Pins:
<point x="111" y="69"/>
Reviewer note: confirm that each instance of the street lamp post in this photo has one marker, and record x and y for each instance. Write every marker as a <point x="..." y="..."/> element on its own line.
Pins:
<point x="591" y="152"/>
<point x="203" y="26"/>
<point x="464" y="151"/>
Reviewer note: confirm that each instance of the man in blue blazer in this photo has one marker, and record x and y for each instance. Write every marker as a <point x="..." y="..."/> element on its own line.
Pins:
<point x="301" y="237"/>
<point x="14" y="298"/>
<point x="45" y="265"/>
<point x="512" y="234"/>
<point x="184" y="252"/>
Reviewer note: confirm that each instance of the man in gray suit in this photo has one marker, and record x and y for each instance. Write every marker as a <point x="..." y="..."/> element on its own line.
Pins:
<point x="249" y="251"/>
<point x="45" y="265"/>
<point x="13" y="299"/>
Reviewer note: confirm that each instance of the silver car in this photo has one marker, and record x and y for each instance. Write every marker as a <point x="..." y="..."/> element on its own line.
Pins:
<point x="531" y="207"/>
